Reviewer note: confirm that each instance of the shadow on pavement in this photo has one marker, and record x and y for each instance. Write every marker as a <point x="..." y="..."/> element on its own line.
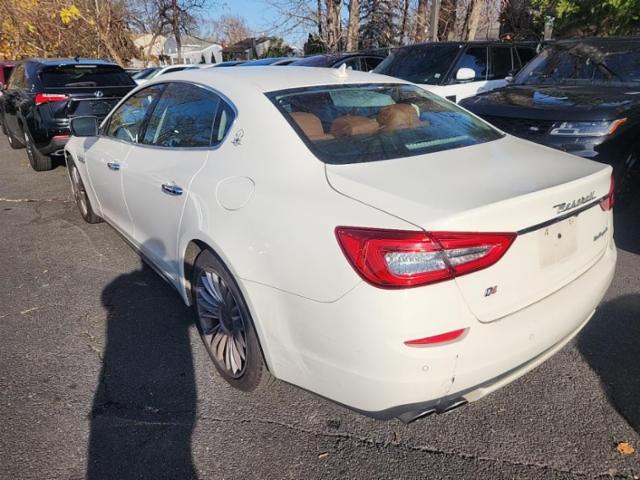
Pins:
<point x="144" y="408"/>
<point x="611" y="344"/>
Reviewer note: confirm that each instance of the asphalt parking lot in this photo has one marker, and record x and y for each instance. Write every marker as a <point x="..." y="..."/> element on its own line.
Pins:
<point x="102" y="376"/>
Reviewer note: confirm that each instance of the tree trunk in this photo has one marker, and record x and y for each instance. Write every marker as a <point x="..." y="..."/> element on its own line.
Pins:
<point x="421" y="21"/>
<point x="333" y="24"/>
<point x="353" y="28"/>
<point x="447" y="21"/>
<point x="403" y="25"/>
<point x="472" y="19"/>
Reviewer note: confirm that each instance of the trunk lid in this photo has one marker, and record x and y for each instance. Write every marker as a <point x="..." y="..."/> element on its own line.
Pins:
<point x="507" y="185"/>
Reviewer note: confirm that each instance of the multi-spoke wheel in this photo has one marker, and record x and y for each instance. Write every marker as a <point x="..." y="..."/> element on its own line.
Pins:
<point x="225" y="325"/>
<point x="80" y="195"/>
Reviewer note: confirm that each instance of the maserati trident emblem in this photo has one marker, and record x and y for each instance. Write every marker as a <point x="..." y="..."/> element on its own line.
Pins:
<point x="98" y="94"/>
<point x="566" y="206"/>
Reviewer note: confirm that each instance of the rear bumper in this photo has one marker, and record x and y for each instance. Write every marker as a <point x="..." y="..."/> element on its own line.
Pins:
<point x="352" y="351"/>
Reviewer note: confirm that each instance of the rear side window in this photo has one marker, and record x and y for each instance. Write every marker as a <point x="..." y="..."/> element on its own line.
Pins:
<point x="88" y="76"/>
<point x="500" y="62"/>
<point x="370" y="63"/>
<point x="364" y="123"/>
<point x="526" y="54"/>
<point x="474" y="58"/>
<point x="184" y="117"/>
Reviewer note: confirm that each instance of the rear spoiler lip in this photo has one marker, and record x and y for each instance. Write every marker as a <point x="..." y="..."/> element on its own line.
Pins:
<point x="573" y="213"/>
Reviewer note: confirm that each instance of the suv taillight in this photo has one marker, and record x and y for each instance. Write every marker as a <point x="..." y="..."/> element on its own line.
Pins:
<point x="609" y="201"/>
<point x="402" y="259"/>
<point x="49" y="97"/>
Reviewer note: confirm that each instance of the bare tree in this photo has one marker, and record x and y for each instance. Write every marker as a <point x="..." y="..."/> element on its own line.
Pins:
<point x="421" y="22"/>
<point x="447" y="19"/>
<point x="353" y="27"/>
<point x="228" y="29"/>
<point x="334" y="24"/>
<point x="472" y="19"/>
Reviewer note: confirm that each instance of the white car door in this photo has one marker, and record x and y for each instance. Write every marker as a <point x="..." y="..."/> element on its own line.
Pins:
<point x="185" y="126"/>
<point x="106" y="158"/>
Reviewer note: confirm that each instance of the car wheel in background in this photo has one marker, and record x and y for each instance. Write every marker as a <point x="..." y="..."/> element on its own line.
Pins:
<point x="37" y="160"/>
<point x="226" y="327"/>
<point x="80" y="196"/>
<point x="627" y="180"/>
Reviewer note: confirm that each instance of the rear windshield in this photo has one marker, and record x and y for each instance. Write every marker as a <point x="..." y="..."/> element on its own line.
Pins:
<point x="420" y="63"/>
<point x="89" y="76"/>
<point x="364" y="123"/>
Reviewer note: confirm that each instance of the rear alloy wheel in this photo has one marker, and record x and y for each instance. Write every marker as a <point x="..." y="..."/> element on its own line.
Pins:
<point x="38" y="161"/>
<point x="627" y="179"/>
<point x="80" y="196"/>
<point x="225" y="326"/>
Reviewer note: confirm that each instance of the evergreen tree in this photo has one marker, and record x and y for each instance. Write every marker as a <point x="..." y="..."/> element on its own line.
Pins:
<point x="379" y="23"/>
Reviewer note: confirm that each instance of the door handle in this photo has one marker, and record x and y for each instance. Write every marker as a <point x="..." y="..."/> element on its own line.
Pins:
<point x="171" y="189"/>
<point x="113" y="166"/>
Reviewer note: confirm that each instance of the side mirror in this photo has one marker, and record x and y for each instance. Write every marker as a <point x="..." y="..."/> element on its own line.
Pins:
<point x="465" y="75"/>
<point x="511" y="76"/>
<point x="84" y="127"/>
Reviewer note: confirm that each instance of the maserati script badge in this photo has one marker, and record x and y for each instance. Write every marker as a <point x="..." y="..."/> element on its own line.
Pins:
<point x="566" y="206"/>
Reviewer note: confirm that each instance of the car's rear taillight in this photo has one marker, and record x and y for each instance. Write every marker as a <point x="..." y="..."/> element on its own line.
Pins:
<point x="609" y="201"/>
<point x="42" y="98"/>
<point x="401" y="259"/>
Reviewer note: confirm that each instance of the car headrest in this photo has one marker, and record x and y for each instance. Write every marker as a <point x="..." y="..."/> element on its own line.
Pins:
<point x="310" y="125"/>
<point x="350" y="125"/>
<point x="397" y="116"/>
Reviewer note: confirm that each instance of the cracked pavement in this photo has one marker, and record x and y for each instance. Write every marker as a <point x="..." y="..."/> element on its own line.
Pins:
<point x="102" y="376"/>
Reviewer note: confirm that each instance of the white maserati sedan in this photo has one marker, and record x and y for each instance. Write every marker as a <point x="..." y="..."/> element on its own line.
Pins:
<point x="350" y="233"/>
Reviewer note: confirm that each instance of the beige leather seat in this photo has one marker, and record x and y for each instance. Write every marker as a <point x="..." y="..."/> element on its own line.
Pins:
<point x="350" y="125"/>
<point x="398" y="116"/>
<point x="310" y="125"/>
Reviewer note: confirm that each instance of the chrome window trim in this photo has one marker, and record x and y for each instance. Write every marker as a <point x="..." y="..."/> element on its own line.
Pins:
<point x="222" y="96"/>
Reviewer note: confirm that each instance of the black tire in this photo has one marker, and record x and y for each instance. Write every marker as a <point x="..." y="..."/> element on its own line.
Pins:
<point x="254" y="375"/>
<point x="13" y="143"/>
<point x="38" y="161"/>
<point x="627" y="178"/>
<point x="80" y="195"/>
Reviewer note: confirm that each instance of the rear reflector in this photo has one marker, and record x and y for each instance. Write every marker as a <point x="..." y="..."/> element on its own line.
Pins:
<point x="42" y="98"/>
<point x="609" y="201"/>
<point x="402" y="259"/>
<point x="436" y="339"/>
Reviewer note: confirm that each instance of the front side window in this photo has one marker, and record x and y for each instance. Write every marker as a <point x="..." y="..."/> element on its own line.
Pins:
<point x="427" y="64"/>
<point x="184" y="117"/>
<point x="364" y="123"/>
<point x="474" y="58"/>
<point x="127" y="121"/>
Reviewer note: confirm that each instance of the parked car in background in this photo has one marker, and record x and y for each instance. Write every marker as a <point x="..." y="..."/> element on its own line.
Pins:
<point x="364" y="62"/>
<point x="163" y="70"/>
<point x="228" y="63"/>
<point x="581" y="96"/>
<point x="361" y="238"/>
<point x="286" y="61"/>
<point x="144" y="73"/>
<point x="262" y="62"/>
<point x="43" y="95"/>
<point x="457" y="70"/>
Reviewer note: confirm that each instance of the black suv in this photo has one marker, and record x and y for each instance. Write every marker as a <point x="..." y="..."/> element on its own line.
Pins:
<point x="581" y="96"/>
<point x="43" y="95"/>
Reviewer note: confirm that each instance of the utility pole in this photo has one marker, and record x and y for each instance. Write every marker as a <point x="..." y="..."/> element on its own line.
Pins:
<point x="433" y="21"/>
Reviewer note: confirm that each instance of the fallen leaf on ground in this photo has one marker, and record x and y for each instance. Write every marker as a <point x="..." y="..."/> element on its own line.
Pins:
<point x="625" y="448"/>
<point x="323" y="455"/>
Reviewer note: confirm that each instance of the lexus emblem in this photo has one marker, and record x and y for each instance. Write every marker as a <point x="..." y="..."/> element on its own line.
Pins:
<point x="98" y="94"/>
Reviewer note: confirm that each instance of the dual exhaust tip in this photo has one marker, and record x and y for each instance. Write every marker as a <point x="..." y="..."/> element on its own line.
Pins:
<point x="413" y="415"/>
